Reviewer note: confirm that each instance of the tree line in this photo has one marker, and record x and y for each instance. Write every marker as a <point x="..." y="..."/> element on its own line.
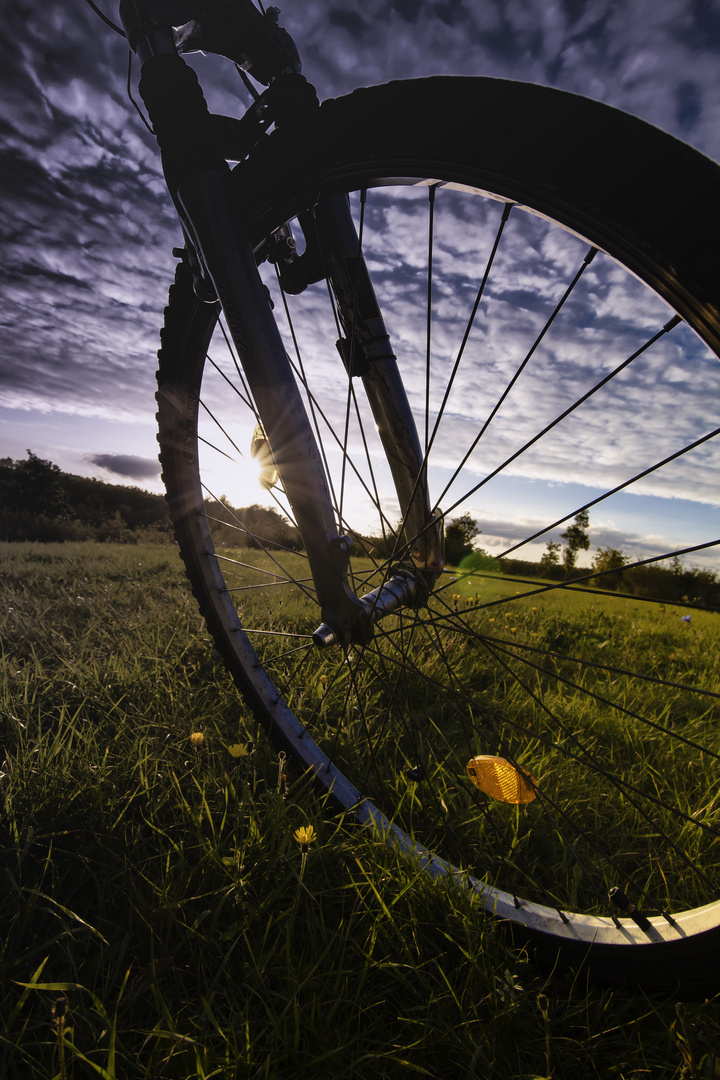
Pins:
<point x="610" y="569"/>
<point x="40" y="502"/>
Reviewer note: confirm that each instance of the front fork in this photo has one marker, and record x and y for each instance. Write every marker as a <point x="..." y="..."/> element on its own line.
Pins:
<point x="198" y="178"/>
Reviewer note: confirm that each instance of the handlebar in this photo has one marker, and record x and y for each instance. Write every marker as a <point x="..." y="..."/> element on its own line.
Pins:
<point x="235" y="29"/>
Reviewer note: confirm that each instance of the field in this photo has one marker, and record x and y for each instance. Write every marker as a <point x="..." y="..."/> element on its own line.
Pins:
<point x="160" y="919"/>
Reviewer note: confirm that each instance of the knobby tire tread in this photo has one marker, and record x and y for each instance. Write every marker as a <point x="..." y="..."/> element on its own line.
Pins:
<point x="629" y="188"/>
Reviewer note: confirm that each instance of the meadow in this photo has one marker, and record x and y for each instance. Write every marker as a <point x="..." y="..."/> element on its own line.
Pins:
<point x="159" y="917"/>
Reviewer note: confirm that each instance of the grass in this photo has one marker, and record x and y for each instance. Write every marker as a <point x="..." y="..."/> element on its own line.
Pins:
<point x="153" y="920"/>
<point x="544" y="678"/>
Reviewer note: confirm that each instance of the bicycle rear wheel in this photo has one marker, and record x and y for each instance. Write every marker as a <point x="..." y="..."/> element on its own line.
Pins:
<point x="529" y="283"/>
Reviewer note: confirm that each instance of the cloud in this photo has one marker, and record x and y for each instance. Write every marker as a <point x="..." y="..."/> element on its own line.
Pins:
<point x="87" y="228"/>
<point x="136" y="468"/>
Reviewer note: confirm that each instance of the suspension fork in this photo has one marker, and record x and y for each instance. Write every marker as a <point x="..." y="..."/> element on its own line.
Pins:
<point x="334" y="251"/>
<point x="199" y="181"/>
<point x="367" y="353"/>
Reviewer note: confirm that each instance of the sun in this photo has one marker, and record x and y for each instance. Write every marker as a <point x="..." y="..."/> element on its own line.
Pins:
<point x="236" y="478"/>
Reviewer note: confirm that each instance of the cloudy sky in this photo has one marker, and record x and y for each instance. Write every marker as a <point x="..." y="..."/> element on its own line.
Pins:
<point x="87" y="231"/>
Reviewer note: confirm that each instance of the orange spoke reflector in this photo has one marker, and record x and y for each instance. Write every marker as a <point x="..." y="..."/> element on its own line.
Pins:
<point x="500" y="780"/>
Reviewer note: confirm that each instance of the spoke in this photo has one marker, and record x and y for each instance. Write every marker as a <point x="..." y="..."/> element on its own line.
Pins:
<point x="300" y="372"/>
<point x="620" y="487"/>
<point x="306" y="649"/>
<point x="395" y="709"/>
<point x="594" y="764"/>
<point x="246" y="395"/>
<point x="375" y="499"/>
<point x="553" y="423"/>
<point x="261" y="541"/>
<point x="402" y="664"/>
<point x="284" y="577"/>
<point x="586" y="262"/>
<point x="267" y="584"/>
<point x="216" y="449"/>
<point x="557" y="677"/>
<point x="428" y="325"/>
<point x="468" y="632"/>
<point x="422" y="474"/>
<point x="243" y="394"/>
<point x="221" y="428"/>
<point x="361" y="426"/>
<point x="575" y="586"/>
<point x="281" y="579"/>
<point x="584" y="757"/>
<point x="461" y="351"/>
<point x="363" y="717"/>
<point x="587" y="837"/>
<point x="606" y="668"/>
<point x="353" y="348"/>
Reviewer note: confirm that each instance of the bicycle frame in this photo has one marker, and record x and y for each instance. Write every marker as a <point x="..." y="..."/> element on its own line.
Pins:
<point x="198" y="178"/>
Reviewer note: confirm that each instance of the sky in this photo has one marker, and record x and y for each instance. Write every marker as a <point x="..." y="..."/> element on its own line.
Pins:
<point x="87" y="231"/>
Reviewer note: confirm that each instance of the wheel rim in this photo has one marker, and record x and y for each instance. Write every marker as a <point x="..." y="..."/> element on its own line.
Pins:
<point x="597" y="710"/>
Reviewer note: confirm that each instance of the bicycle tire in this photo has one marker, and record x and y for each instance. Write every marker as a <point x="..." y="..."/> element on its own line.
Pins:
<point x="625" y="188"/>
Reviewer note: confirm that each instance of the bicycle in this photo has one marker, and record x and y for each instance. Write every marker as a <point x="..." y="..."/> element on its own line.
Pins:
<point x="377" y="667"/>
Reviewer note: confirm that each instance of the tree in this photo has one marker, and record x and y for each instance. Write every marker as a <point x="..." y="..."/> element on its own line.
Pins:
<point x="609" y="559"/>
<point x="551" y="556"/>
<point x="251" y="526"/>
<point x="459" y="537"/>
<point x="38" y="488"/>
<point x="576" y="539"/>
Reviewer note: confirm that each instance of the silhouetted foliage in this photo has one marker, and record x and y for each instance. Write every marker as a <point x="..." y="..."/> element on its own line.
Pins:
<point x="667" y="583"/>
<point x="377" y="547"/>
<point x="35" y="485"/>
<point x="609" y="559"/>
<point x="551" y="555"/>
<point x="576" y="539"/>
<point x="40" y="502"/>
<point x="250" y="526"/>
<point x="459" y="536"/>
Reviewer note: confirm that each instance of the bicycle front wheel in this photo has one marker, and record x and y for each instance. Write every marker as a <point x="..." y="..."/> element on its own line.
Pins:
<point x="553" y="306"/>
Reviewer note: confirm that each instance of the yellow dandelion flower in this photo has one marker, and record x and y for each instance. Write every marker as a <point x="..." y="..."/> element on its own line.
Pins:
<point x="197" y="738"/>
<point x="305" y="835"/>
<point x="238" y="750"/>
